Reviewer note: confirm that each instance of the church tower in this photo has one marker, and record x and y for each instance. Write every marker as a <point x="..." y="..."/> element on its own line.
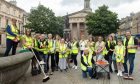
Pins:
<point x="87" y="5"/>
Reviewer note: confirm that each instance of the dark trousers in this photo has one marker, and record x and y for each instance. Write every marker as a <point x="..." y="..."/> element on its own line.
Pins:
<point x="10" y="44"/>
<point x="52" y="61"/>
<point x="110" y="61"/>
<point x="44" y="58"/>
<point x="81" y="52"/>
<point x="74" y="58"/>
<point x="57" y="58"/>
<point x="130" y="57"/>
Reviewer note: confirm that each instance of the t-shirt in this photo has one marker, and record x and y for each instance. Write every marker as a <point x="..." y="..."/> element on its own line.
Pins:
<point x="82" y="44"/>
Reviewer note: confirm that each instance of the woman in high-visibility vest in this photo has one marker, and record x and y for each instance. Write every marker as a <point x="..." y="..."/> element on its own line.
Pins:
<point x="91" y="45"/>
<point x="27" y="43"/>
<point x="12" y="38"/>
<point x="57" y="43"/>
<point x="87" y="63"/>
<point x="120" y="53"/>
<point x="62" y="55"/>
<point x="110" y="45"/>
<point x="74" y="52"/>
<point x="100" y="48"/>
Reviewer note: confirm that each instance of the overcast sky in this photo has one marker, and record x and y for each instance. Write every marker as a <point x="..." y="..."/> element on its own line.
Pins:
<point x="61" y="7"/>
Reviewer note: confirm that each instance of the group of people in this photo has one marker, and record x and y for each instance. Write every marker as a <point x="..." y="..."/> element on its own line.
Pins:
<point x="62" y="52"/>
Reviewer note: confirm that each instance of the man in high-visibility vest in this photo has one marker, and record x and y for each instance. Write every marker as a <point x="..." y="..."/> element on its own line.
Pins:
<point x="131" y="45"/>
<point x="87" y="63"/>
<point x="12" y="38"/>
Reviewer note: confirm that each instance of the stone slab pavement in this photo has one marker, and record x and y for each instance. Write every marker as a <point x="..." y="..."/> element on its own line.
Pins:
<point x="75" y="77"/>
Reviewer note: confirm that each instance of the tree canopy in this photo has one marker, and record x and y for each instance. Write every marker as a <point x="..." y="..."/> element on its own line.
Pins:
<point x="102" y="22"/>
<point x="43" y="20"/>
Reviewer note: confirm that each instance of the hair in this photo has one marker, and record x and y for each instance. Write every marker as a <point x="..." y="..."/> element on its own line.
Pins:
<point x="27" y="31"/>
<point x="119" y="40"/>
<point x="110" y="36"/>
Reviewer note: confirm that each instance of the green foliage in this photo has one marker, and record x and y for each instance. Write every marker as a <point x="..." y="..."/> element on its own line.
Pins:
<point x="102" y="22"/>
<point x="43" y="20"/>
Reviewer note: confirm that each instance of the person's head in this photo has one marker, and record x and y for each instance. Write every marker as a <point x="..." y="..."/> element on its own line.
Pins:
<point x="57" y="37"/>
<point x="62" y="40"/>
<point x="110" y="38"/>
<point x="37" y="36"/>
<point x="113" y="35"/>
<point x="49" y="36"/>
<point x="74" y="39"/>
<point x="42" y="36"/>
<point x="28" y="32"/>
<point x="90" y="38"/>
<point x="128" y="34"/>
<point x="86" y="51"/>
<point x="82" y="37"/>
<point x="14" y="21"/>
<point x="119" y="42"/>
<point x="100" y="38"/>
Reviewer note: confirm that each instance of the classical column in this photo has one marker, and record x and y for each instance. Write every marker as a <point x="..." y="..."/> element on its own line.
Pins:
<point x="71" y="30"/>
<point x="78" y="30"/>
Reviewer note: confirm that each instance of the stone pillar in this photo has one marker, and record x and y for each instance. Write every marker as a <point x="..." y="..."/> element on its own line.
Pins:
<point x="78" y="30"/>
<point x="71" y="30"/>
<point x="3" y="40"/>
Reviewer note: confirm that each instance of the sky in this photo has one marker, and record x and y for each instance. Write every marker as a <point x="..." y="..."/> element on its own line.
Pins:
<point x="61" y="7"/>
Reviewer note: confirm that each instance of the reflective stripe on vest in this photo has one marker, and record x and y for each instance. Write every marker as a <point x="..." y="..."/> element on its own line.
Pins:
<point x="28" y="41"/>
<point x="120" y="50"/>
<point x="74" y="48"/>
<point x="14" y="30"/>
<point x="87" y="60"/>
<point x="62" y="48"/>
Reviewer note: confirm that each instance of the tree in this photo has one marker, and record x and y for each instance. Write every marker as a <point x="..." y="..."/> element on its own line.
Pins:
<point x="102" y="22"/>
<point x="43" y="20"/>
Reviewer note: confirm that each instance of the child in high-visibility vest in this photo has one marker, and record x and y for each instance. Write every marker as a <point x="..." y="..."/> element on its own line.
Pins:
<point x="120" y="53"/>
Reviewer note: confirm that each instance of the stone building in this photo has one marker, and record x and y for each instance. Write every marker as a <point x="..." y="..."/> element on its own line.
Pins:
<point x="9" y="10"/>
<point x="77" y="26"/>
<point x="130" y="23"/>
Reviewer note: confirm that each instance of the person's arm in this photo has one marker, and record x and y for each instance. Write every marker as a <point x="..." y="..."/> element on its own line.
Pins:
<point x="82" y="61"/>
<point x="92" y="60"/>
<point x="8" y="30"/>
<point x="107" y="47"/>
<point x="124" y="51"/>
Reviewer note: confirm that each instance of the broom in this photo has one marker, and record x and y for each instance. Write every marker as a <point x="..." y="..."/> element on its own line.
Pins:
<point x="46" y="78"/>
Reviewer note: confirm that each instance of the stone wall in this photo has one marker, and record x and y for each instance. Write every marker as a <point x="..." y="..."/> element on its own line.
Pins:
<point x="13" y="67"/>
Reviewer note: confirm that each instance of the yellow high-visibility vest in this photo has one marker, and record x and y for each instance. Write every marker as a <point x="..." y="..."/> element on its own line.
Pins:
<point x="15" y="31"/>
<point x="28" y="41"/>
<point x="74" y="48"/>
<point x="87" y="60"/>
<point x="131" y="43"/>
<point x="63" y="48"/>
<point x="51" y="46"/>
<point x="119" y="52"/>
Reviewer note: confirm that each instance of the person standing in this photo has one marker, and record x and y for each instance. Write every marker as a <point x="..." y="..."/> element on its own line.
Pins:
<point x="99" y="48"/>
<point x="62" y="55"/>
<point x="131" y="45"/>
<point x="74" y="52"/>
<point x="12" y="38"/>
<point x="119" y="53"/>
<point x="57" y="43"/>
<point x="91" y="46"/>
<point x="110" y="45"/>
<point x="82" y="44"/>
<point x="87" y="63"/>
<point x="51" y="54"/>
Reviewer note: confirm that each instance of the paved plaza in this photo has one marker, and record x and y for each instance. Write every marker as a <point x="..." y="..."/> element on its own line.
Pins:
<point x="75" y="77"/>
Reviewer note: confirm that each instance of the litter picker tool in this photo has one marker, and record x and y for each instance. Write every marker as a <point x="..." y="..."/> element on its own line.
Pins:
<point x="46" y="78"/>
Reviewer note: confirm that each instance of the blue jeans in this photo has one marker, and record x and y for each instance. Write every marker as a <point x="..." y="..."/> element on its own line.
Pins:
<point x="44" y="58"/>
<point x="90" y="72"/>
<point x="130" y="57"/>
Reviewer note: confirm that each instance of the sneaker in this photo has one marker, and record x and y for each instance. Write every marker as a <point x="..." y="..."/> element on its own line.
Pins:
<point x="73" y="66"/>
<point x="41" y="62"/>
<point x="121" y="74"/>
<point x="125" y="76"/>
<point x="118" y="74"/>
<point x="76" y="67"/>
<point x="131" y="77"/>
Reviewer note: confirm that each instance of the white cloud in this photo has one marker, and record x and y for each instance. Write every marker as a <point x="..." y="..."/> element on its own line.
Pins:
<point x="61" y="7"/>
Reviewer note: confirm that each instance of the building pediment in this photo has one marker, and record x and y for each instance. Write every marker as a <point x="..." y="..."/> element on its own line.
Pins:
<point x="78" y="14"/>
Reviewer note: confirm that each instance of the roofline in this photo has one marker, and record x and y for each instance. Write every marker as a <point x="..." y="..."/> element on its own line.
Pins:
<point x="13" y="5"/>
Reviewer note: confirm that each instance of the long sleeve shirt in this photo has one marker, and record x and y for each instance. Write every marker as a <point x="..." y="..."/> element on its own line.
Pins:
<point x="9" y="31"/>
